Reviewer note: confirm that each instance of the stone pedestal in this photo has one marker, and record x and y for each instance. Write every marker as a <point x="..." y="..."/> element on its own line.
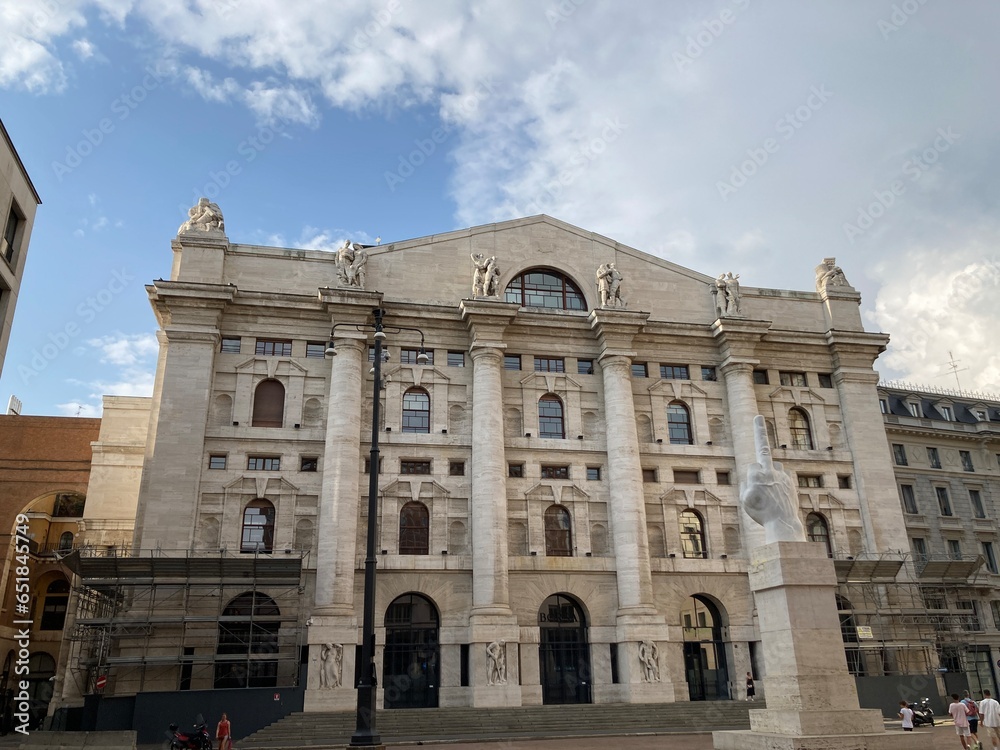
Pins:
<point x="813" y="696"/>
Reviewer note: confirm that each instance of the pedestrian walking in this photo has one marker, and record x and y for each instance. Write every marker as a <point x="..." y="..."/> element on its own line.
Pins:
<point x="751" y="692"/>
<point x="224" y="734"/>
<point x="961" y="716"/>
<point x="906" y="714"/>
<point x="989" y="717"/>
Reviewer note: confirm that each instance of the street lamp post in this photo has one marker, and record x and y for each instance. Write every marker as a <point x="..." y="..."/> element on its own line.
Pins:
<point x="366" y="732"/>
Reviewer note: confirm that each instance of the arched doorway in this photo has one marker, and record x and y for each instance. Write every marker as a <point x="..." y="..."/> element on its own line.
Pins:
<point x="41" y="670"/>
<point x="563" y="651"/>
<point x="248" y="629"/>
<point x="704" y="651"/>
<point x="410" y="659"/>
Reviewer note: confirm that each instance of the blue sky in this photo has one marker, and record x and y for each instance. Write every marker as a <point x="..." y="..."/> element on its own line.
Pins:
<point x="737" y="135"/>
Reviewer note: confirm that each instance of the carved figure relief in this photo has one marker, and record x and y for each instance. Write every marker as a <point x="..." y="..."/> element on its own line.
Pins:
<point x="485" y="276"/>
<point x="331" y="665"/>
<point x="649" y="661"/>
<point x="828" y="273"/>
<point x="496" y="663"/>
<point x="609" y="286"/>
<point x="727" y="290"/>
<point x="352" y="260"/>
<point x="205" y="216"/>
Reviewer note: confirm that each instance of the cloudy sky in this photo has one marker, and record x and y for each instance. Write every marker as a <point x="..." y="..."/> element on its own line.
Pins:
<point x="757" y="136"/>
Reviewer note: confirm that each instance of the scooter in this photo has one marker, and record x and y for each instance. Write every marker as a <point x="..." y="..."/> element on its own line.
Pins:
<point x="922" y="713"/>
<point x="199" y="739"/>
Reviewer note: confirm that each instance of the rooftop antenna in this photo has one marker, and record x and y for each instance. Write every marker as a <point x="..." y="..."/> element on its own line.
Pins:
<point x="14" y="406"/>
<point x="954" y="369"/>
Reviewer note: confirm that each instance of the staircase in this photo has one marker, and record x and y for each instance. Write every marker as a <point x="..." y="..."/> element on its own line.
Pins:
<point x="302" y="730"/>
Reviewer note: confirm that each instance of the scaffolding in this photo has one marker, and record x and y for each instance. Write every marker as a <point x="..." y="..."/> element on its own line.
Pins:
<point x="187" y="620"/>
<point x="907" y="615"/>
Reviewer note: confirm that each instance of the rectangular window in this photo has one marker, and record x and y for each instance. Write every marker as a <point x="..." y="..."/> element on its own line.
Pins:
<point x="883" y="405"/>
<point x="915" y="410"/>
<point x="976" y="500"/>
<point x="315" y="349"/>
<point x="217" y="462"/>
<point x="585" y="367"/>
<point x="639" y="370"/>
<point x="844" y="481"/>
<point x="947" y="413"/>
<point x="263" y="463"/>
<point x="966" y="461"/>
<point x="555" y="472"/>
<point x="944" y="503"/>
<point x="723" y="477"/>
<point x="760" y="377"/>
<point x="231" y="344"/>
<point x="456" y="359"/>
<point x="674" y="372"/>
<point x="709" y="373"/>
<point x="308" y="463"/>
<point x="273" y="348"/>
<point x="409" y="356"/>
<point x="686" y="476"/>
<point x="810" y="480"/>
<point x="909" y="499"/>
<point x="825" y="380"/>
<point x="995" y="606"/>
<point x="550" y="364"/>
<point x="593" y="473"/>
<point x="464" y="674"/>
<point x="899" y="454"/>
<point x="515" y="471"/>
<point x="970" y="616"/>
<point x="14" y="220"/>
<point x="512" y="361"/>
<point x="615" y="679"/>
<point x="954" y="549"/>
<point x="456" y="468"/>
<point x="933" y="458"/>
<point x="919" y="549"/>
<point x="793" y="378"/>
<point x="991" y="557"/>
<point x="649" y="475"/>
<point x="371" y="353"/>
<point x="368" y="466"/>
<point x="414" y="467"/>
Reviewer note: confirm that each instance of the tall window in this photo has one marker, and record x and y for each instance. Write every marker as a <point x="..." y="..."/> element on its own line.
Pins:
<point x="249" y="629"/>
<point x="976" y="498"/>
<point x="909" y="499"/>
<point x="798" y="424"/>
<point x="258" y="526"/>
<point x="14" y="220"/>
<point x="899" y="454"/>
<point x="692" y="535"/>
<point x="550" y="417"/>
<point x="54" y="608"/>
<point x="414" y="529"/>
<point x="991" y="557"/>
<point x="66" y="540"/>
<point x="934" y="458"/>
<point x="679" y="424"/>
<point x="268" y="404"/>
<point x="416" y="411"/>
<point x="944" y="503"/>
<point x="558" y="532"/>
<point x="545" y="287"/>
<point x="966" y="458"/>
<point x="818" y="531"/>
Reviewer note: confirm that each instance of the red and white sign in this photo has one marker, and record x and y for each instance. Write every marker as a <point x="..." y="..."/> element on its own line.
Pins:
<point x="101" y="681"/>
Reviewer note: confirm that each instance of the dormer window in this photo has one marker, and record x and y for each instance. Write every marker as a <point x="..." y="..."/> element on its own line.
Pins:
<point x="947" y="413"/>
<point x="914" y="408"/>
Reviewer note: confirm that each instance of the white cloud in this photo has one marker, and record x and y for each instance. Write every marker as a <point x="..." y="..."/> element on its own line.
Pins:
<point x="126" y="350"/>
<point x="84" y="49"/>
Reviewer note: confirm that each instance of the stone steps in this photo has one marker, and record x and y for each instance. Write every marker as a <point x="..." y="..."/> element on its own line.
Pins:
<point x="413" y="725"/>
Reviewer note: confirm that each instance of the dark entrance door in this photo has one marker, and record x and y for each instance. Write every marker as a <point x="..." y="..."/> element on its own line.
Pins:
<point x="704" y="651"/>
<point x="410" y="660"/>
<point x="563" y="651"/>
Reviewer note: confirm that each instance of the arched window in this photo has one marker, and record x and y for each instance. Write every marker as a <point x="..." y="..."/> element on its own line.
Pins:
<point x="679" y="424"/>
<point x="269" y="404"/>
<point x="416" y="411"/>
<point x="545" y="287"/>
<point x="414" y="529"/>
<point x="66" y="540"/>
<point x="248" y="628"/>
<point x="818" y="530"/>
<point x="558" y="533"/>
<point x="54" y="608"/>
<point x="692" y="535"/>
<point x="258" y="526"/>
<point x="550" y="417"/>
<point x="798" y="424"/>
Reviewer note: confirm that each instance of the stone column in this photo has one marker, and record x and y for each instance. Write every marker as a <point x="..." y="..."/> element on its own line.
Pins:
<point x="737" y="340"/>
<point x="813" y="699"/>
<point x="491" y="618"/>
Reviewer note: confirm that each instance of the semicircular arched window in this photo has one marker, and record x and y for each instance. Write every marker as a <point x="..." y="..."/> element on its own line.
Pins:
<point x="416" y="411"/>
<point x="545" y="287"/>
<point x="268" y="404"/>
<point x="798" y="425"/>
<point x="550" y="417"/>
<point x="679" y="424"/>
<point x="693" y="535"/>
<point x="414" y="529"/>
<point x="558" y="532"/>
<point x="258" y="526"/>
<point x="818" y="531"/>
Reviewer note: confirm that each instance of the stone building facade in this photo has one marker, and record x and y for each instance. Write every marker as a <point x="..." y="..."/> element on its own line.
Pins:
<point x="558" y="487"/>
<point x="18" y="202"/>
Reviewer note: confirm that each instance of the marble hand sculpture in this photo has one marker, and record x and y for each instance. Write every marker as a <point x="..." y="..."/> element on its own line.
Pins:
<point x="769" y="497"/>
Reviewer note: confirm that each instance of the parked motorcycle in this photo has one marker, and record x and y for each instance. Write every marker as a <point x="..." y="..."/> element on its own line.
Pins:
<point x="922" y="713"/>
<point x="197" y="739"/>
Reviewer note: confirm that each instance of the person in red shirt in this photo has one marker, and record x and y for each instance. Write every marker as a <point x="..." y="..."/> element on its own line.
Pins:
<point x="224" y="734"/>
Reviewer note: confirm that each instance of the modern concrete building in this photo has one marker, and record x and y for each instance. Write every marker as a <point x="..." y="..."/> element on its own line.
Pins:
<point x="558" y="516"/>
<point x="18" y="202"/>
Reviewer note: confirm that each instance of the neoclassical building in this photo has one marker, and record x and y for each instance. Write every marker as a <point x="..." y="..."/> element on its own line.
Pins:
<point x="558" y="482"/>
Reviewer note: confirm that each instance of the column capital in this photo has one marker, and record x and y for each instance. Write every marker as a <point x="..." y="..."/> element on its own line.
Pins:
<point x="855" y="349"/>
<point x="616" y="329"/>
<point x="736" y="366"/>
<point x="179" y="304"/>
<point x="737" y="338"/>
<point x="487" y="351"/>
<point x="487" y="320"/>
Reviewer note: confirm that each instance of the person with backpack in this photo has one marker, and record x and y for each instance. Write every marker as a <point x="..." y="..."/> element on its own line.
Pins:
<point x="973" y="711"/>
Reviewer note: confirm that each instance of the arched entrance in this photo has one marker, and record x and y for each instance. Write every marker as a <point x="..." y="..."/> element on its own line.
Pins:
<point x="704" y="651"/>
<point x="563" y="651"/>
<point x="248" y="630"/>
<point x="410" y="659"/>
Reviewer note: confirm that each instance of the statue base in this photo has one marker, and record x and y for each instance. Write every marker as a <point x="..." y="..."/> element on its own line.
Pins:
<point x="750" y="740"/>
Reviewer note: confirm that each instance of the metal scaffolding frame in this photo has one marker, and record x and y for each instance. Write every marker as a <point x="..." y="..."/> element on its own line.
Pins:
<point x="158" y="618"/>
